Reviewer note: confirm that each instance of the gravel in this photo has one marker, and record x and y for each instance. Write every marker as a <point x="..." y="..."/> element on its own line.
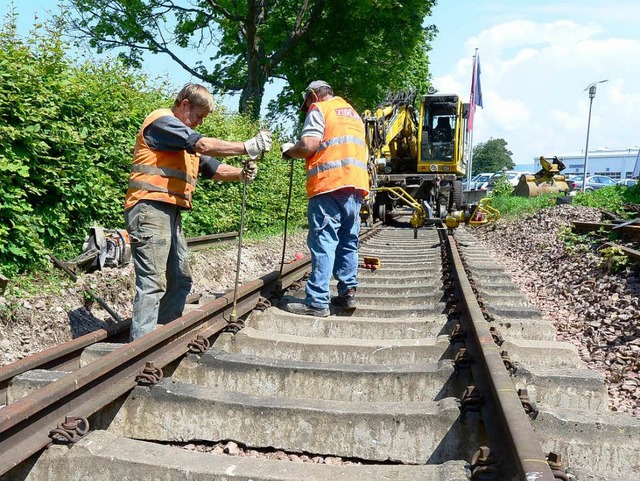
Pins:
<point x="594" y="309"/>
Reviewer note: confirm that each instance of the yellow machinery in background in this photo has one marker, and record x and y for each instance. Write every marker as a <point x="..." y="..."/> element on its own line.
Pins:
<point x="479" y="214"/>
<point x="420" y="149"/>
<point x="548" y="180"/>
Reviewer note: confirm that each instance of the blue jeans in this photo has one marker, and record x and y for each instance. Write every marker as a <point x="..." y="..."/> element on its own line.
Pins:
<point x="334" y="224"/>
<point x="160" y="258"/>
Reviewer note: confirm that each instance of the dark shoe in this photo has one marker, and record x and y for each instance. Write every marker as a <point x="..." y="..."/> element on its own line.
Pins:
<point x="302" y="309"/>
<point x="346" y="301"/>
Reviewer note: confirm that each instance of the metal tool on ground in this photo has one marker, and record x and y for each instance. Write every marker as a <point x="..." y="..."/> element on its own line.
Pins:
<point x="372" y="263"/>
<point x="58" y="263"/>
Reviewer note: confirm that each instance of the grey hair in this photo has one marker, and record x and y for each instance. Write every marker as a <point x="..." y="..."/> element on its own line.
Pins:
<point x="197" y="95"/>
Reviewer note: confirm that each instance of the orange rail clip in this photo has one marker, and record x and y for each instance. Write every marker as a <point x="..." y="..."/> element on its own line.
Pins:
<point x="372" y="263"/>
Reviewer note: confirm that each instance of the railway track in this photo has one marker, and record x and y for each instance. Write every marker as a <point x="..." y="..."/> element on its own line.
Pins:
<point x="442" y="373"/>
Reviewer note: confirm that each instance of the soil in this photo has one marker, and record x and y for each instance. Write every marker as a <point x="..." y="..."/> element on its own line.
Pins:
<point x="30" y="323"/>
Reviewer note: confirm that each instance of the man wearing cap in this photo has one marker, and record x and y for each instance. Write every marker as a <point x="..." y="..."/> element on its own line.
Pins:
<point x="333" y="144"/>
<point x="167" y="159"/>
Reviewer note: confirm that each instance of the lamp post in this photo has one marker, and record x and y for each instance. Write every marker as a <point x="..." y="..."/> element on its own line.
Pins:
<point x="592" y="93"/>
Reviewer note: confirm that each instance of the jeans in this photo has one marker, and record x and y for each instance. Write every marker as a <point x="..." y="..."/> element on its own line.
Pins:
<point x="160" y="259"/>
<point x="334" y="224"/>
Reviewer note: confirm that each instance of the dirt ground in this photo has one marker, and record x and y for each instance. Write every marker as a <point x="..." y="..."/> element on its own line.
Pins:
<point x="33" y="323"/>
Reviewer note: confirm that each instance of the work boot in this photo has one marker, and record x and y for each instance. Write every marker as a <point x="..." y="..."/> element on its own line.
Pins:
<point x="305" y="310"/>
<point x="346" y="301"/>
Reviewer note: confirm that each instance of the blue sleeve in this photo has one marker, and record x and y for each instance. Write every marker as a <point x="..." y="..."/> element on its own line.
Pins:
<point x="208" y="166"/>
<point x="169" y="134"/>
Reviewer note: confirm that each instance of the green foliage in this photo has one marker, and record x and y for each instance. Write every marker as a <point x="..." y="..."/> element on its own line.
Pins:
<point x="362" y="47"/>
<point x="611" y="198"/>
<point x="502" y="187"/>
<point x="613" y="259"/>
<point x="514" y="206"/>
<point x="492" y="156"/>
<point x="67" y="132"/>
<point x="576" y="243"/>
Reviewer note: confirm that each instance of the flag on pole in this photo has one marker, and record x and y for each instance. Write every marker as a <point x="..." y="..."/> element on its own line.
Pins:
<point x="476" y="91"/>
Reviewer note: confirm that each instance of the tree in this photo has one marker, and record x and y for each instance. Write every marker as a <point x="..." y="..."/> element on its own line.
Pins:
<point x="492" y="156"/>
<point x="361" y="47"/>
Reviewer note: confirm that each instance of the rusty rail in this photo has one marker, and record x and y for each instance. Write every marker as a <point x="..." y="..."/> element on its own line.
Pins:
<point x="631" y="230"/>
<point x="25" y="424"/>
<point x="632" y="253"/>
<point x="204" y="241"/>
<point x="62" y="357"/>
<point x="513" y="426"/>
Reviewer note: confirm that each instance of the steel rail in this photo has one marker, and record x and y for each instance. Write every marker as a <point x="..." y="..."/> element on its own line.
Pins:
<point x="26" y="423"/>
<point x="488" y="367"/>
<point x="628" y="251"/>
<point x="201" y="242"/>
<point x="62" y="357"/>
<point x="631" y="230"/>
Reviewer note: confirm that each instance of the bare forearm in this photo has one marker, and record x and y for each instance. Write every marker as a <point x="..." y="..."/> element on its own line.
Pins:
<point x="219" y="148"/>
<point x="227" y="173"/>
<point x="305" y="147"/>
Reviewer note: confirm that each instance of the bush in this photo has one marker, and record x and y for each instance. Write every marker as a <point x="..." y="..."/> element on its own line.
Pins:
<point x="67" y="132"/>
<point x="612" y="199"/>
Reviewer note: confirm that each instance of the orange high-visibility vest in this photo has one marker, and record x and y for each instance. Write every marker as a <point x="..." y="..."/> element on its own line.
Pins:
<point x="341" y="158"/>
<point x="160" y="175"/>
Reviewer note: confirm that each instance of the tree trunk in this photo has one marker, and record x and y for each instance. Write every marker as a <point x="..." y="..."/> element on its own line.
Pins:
<point x="252" y="93"/>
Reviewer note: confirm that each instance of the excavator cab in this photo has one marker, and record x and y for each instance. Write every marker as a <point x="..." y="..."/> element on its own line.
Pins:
<point x="443" y="135"/>
<point x="419" y="147"/>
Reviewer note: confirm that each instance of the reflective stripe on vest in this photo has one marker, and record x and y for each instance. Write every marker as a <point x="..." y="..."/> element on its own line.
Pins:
<point x="163" y="176"/>
<point x="341" y="158"/>
<point x="336" y="164"/>
<point x="164" y="172"/>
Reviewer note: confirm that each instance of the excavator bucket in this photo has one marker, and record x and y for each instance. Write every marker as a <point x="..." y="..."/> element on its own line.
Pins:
<point x="547" y="180"/>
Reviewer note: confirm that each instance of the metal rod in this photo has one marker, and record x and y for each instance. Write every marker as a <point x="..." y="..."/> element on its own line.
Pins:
<point x="234" y="313"/>
<point x="89" y="292"/>
<point x="286" y="223"/>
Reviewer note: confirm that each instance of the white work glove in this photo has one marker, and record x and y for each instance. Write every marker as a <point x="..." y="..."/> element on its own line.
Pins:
<point x="259" y="144"/>
<point x="286" y="146"/>
<point x="249" y="172"/>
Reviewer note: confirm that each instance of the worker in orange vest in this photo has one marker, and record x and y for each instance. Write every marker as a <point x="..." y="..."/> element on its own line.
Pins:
<point x="168" y="157"/>
<point x="333" y="144"/>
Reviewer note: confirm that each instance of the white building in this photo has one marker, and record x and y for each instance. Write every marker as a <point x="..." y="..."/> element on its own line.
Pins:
<point x="614" y="163"/>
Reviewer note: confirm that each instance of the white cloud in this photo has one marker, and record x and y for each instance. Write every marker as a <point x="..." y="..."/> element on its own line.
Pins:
<point x="533" y="77"/>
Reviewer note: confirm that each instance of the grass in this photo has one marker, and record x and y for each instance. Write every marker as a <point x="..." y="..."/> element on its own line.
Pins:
<point x="612" y="199"/>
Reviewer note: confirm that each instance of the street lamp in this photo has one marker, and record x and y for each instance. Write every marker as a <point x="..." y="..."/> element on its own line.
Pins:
<point x="592" y="93"/>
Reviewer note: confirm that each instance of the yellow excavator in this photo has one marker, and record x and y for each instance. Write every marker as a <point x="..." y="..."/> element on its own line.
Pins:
<point x="417" y="157"/>
<point x="420" y="150"/>
<point x="548" y="180"/>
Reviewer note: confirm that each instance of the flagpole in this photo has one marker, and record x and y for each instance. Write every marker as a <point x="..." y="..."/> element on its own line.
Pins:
<point x="471" y="106"/>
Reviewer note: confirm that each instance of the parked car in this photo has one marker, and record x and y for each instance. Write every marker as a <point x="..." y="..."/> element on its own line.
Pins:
<point x="627" y="182"/>
<point x="571" y="181"/>
<point x="594" y="182"/>
<point x="512" y="176"/>
<point x="481" y="181"/>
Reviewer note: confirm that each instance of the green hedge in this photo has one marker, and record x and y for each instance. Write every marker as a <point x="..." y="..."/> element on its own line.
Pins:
<point x="67" y="131"/>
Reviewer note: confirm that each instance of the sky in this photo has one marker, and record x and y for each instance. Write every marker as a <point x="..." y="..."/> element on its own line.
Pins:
<point x="537" y="58"/>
